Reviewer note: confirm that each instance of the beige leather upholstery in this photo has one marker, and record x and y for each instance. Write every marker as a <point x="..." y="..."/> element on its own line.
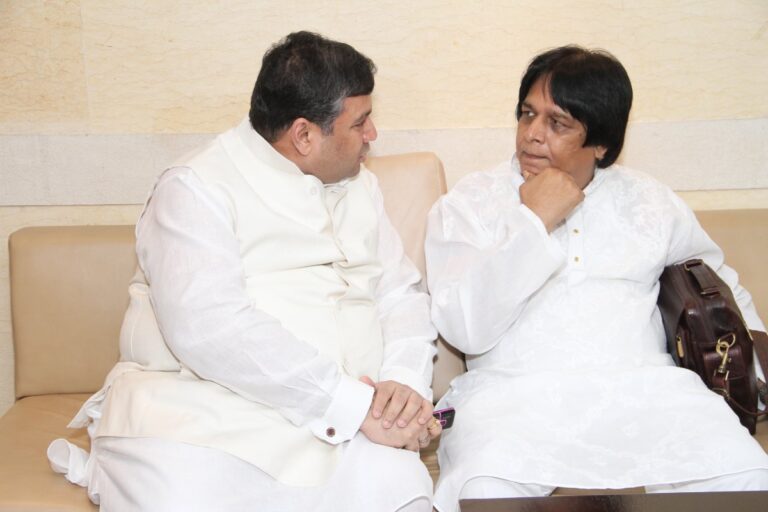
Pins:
<point x="743" y="237"/>
<point x="27" y="482"/>
<point x="69" y="292"/>
<point x="410" y="183"/>
<point x="68" y="296"/>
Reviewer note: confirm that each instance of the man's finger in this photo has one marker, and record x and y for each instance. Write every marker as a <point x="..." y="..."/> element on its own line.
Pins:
<point x="380" y="399"/>
<point x="434" y="428"/>
<point x="425" y="413"/>
<point x="411" y="409"/>
<point x="395" y="406"/>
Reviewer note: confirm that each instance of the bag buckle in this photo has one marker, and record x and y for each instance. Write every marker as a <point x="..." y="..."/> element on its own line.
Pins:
<point x="722" y="348"/>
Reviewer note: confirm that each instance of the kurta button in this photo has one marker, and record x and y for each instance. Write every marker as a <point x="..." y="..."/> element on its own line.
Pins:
<point x="330" y="432"/>
<point x="575" y="231"/>
<point x="576" y="259"/>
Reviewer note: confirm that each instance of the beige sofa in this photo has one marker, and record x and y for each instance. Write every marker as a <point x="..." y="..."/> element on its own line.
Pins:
<point x="69" y="291"/>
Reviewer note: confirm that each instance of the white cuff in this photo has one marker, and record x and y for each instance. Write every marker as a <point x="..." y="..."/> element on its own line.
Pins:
<point x="552" y="246"/>
<point x="540" y="227"/>
<point x="343" y="418"/>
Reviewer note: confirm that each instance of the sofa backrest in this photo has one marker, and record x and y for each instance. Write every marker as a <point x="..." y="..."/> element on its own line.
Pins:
<point x="69" y="285"/>
<point x="743" y="237"/>
<point x="69" y="291"/>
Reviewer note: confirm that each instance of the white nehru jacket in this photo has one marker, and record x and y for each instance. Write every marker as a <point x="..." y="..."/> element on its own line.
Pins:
<point x="273" y="294"/>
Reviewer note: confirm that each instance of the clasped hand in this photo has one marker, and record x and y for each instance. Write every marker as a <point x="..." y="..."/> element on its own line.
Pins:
<point x="399" y="417"/>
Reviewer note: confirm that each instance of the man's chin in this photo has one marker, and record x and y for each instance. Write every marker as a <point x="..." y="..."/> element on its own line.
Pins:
<point x="529" y="170"/>
<point x="351" y="173"/>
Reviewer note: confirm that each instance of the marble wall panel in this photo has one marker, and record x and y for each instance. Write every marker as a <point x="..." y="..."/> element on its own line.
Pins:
<point x="187" y="66"/>
<point x="42" y="70"/>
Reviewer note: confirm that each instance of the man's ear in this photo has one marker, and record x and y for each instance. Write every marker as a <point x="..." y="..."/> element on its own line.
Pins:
<point x="600" y="152"/>
<point x="301" y="135"/>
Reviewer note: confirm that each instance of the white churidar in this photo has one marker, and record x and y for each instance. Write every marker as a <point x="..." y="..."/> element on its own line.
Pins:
<point x="569" y="382"/>
<point x="370" y="477"/>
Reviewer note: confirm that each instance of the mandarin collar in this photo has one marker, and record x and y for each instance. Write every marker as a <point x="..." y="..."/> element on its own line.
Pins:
<point x="597" y="180"/>
<point x="263" y="150"/>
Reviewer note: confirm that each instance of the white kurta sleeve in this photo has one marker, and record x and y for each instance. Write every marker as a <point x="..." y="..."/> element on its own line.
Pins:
<point x="481" y="275"/>
<point x="689" y="240"/>
<point x="407" y="330"/>
<point x="190" y="256"/>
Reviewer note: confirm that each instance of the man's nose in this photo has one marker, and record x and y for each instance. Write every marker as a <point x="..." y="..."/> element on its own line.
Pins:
<point x="369" y="134"/>
<point x="535" y="130"/>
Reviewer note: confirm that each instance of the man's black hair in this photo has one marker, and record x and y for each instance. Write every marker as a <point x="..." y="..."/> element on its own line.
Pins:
<point x="592" y="86"/>
<point x="306" y="75"/>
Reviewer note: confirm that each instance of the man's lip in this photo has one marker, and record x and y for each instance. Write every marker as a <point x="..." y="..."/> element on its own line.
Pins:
<point x="524" y="154"/>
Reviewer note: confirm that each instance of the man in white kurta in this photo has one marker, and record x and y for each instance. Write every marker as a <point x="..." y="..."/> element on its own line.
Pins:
<point x="272" y="300"/>
<point x="569" y="383"/>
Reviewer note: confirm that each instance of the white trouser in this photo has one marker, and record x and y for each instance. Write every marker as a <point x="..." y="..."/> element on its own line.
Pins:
<point x="157" y="475"/>
<point x="490" y="487"/>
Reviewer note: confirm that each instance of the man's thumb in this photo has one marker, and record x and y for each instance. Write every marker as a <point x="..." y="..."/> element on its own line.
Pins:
<point x="367" y="380"/>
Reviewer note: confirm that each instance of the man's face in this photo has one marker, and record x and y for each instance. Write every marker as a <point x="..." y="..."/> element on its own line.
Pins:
<point x="342" y="152"/>
<point x="548" y="136"/>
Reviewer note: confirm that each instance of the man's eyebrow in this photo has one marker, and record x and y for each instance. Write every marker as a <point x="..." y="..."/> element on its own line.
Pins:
<point x="561" y="114"/>
<point x="363" y="116"/>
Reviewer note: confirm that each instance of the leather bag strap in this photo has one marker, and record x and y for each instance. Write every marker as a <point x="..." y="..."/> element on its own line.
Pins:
<point x="707" y="283"/>
<point x="760" y="343"/>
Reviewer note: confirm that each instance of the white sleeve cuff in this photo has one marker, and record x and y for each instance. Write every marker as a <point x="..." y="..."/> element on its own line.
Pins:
<point x="343" y="418"/>
<point x="552" y="246"/>
<point x="540" y="227"/>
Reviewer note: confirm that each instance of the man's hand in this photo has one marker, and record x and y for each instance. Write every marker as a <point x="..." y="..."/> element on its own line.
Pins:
<point x="398" y="404"/>
<point x="411" y="437"/>
<point x="552" y="195"/>
<point x="408" y="434"/>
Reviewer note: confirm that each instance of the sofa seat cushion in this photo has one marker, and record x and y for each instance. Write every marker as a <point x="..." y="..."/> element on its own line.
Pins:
<point x="27" y="481"/>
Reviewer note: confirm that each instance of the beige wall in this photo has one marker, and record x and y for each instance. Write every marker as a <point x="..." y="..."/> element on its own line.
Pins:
<point x="117" y="66"/>
<point x="448" y="70"/>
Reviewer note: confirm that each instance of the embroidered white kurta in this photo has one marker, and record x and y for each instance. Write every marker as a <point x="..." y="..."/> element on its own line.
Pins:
<point x="190" y="249"/>
<point x="569" y="382"/>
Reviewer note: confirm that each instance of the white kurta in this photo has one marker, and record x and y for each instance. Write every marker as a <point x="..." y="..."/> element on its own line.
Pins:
<point x="569" y="382"/>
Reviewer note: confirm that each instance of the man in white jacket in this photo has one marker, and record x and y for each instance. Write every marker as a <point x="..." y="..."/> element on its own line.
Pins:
<point x="277" y="350"/>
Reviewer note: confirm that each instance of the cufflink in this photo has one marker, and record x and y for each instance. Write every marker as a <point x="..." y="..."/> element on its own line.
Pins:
<point x="330" y="432"/>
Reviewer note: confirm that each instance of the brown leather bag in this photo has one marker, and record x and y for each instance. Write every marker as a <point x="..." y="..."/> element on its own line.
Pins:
<point x="707" y="334"/>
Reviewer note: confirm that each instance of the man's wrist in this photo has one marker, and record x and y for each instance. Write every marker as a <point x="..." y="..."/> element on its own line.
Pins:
<point x="344" y="416"/>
